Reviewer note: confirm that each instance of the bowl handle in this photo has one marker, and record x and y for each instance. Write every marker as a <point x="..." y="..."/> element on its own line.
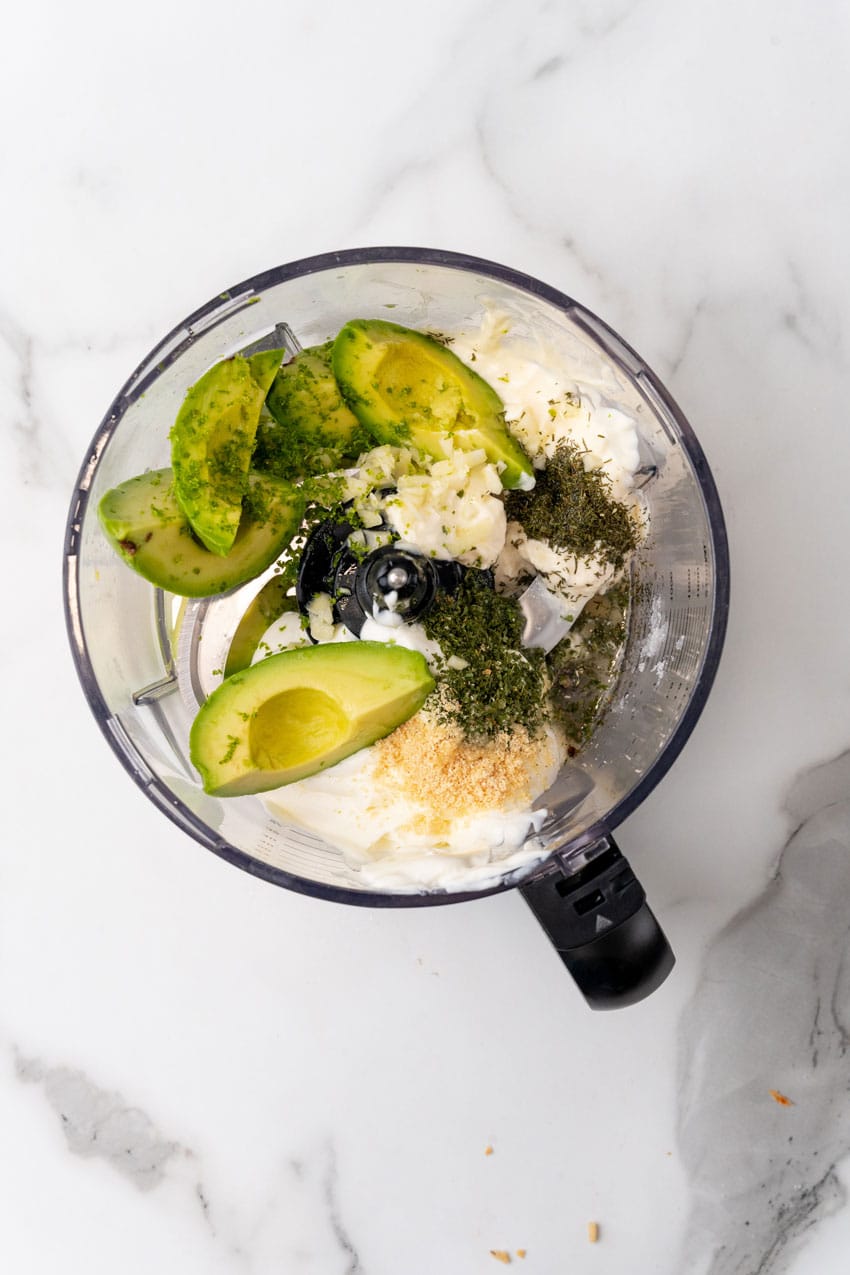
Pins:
<point x="602" y="928"/>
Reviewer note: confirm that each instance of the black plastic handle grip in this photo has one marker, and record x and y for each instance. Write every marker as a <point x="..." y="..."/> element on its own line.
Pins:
<point x="603" y="929"/>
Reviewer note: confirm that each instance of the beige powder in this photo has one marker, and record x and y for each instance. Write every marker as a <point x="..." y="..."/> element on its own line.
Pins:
<point x="443" y="771"/>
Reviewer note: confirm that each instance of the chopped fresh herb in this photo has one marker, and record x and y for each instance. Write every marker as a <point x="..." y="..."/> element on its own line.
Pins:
<point x="232" y="745"/>
<point x="501" y="685"/>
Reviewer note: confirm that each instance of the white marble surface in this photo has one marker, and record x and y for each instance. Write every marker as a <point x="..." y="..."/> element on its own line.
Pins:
<point x="201" y="1073"/>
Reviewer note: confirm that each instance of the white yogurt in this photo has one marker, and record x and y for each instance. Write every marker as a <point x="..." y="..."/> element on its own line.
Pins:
<point x="543" y="408"/>
<point x="389" y="834"/>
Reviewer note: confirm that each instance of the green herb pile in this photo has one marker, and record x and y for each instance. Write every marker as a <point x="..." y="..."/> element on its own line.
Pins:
<point x="574" y="510"/>
<point x="502" y="685"/>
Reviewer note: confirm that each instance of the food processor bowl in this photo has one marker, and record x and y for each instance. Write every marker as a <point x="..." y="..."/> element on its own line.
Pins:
<point x="145" y="670"/>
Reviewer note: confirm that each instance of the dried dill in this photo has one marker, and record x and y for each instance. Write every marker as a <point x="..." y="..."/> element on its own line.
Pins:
<point x="572" y="508"/>
<point x="502" y="685"/>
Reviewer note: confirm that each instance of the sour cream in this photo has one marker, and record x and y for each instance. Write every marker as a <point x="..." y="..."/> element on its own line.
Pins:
<point x="544" y="408"/>
<point x="395" y="841"/>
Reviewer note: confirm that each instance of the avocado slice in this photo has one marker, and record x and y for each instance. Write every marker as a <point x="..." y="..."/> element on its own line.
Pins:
<point x="145" y="524"/>
<point x="269" y="604"/>
<point x="311" y="430"/>
<point x="302" y="711"/>
<point x="212" y="441"/>
<point x="407" y="388"/>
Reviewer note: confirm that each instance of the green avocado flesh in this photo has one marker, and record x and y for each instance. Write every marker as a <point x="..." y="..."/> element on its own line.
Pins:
<point x="408" y="389"/>
<point x="212" y="442"/>
<point x="302" y="711"/>
<point x="311" y="430"/>
<point x="147" y="527"/>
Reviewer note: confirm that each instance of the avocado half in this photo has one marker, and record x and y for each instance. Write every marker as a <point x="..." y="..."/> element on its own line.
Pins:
<point x="294" y="714"/>
<point x="145" y="524"/>
<point x="408" y="389"/>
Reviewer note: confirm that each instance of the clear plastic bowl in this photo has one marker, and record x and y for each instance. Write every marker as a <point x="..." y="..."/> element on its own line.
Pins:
<point x="144" y="691"/>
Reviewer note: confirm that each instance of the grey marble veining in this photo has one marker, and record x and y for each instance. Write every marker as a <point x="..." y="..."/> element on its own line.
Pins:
<point x="772" y="1012"/>
<point x="339" y="1229"/>
<point x="23" y="423"/>
<point x="98" y="1123"/>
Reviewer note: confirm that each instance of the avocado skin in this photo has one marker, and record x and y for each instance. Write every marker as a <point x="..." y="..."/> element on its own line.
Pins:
<point x="145" y="524"/>
<point x="409" y="390"/>
<point x="212" y="441"/>
<point x="311" y="430"/>
<point x="309" y="707"/>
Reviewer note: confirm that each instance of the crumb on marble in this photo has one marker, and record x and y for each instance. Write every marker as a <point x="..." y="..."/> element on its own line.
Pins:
<point x="521" y="1252"/>
<point x="593" y="1232"/>
<point x="501" y="1255"/>
<point x="781" y="1098"/>
<point x="488" y="1150"/>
